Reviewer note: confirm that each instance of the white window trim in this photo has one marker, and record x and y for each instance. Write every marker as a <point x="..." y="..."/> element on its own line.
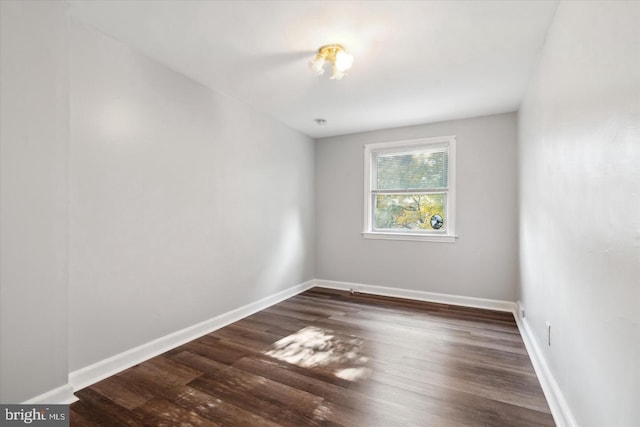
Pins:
<point x="371" y="149"/>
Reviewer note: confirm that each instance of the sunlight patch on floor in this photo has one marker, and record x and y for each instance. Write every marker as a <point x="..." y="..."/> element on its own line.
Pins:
<point x="316" y="347"/>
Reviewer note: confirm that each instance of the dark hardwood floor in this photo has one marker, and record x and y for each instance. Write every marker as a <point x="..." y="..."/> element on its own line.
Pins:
<point x="328" y="358"/>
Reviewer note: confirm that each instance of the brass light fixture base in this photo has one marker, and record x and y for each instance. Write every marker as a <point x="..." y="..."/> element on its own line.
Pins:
<point x="329" y="51"/>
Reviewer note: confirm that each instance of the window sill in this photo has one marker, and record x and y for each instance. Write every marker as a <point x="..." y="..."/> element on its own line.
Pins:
<point x="441" y="238"/>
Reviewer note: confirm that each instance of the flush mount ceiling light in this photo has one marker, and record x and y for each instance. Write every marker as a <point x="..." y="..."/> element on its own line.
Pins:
<point x="334" y="53"/>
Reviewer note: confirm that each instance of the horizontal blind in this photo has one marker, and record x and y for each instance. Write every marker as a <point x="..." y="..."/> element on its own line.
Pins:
<point x="418" y="170"/>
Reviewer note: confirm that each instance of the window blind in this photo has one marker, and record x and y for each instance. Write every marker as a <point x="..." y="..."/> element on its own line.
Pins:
<point x="420" y="170"/>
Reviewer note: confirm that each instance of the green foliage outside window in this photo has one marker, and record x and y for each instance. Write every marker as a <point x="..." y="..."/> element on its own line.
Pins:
<point x="408" y="211"/>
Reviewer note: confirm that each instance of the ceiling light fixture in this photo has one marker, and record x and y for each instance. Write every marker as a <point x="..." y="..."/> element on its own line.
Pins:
<point x="337" y="55"/>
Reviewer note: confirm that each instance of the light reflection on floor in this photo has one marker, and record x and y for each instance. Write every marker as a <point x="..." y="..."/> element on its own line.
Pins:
<point x="315" y="347"/>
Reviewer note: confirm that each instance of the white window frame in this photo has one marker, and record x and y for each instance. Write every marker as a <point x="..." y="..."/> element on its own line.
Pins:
<point x="370" y="153"/>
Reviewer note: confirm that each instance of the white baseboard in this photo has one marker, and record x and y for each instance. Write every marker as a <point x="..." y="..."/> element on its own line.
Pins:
<point x="560" y="410"/>
<point x="489" y="304"/>
<point x="91" y="374"/>
<point x="59" y="395"/>
<point x="98" y="371"/>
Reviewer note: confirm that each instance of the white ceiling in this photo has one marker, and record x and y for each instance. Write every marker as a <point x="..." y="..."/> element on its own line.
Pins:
<point x="415" y="61"/>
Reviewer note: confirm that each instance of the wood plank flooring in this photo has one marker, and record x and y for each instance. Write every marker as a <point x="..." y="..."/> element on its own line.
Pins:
<point x="328" y="358"/>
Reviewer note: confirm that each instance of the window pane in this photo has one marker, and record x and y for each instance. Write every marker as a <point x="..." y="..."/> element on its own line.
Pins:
<point x="412" y="171"/>
<point x="410" y="212"/>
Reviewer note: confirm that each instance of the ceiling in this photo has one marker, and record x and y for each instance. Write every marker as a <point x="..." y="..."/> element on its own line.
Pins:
<point x="415" y="61"/>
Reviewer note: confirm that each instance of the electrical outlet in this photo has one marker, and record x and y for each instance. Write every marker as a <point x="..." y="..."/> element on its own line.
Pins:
<point x="548" y="333"/>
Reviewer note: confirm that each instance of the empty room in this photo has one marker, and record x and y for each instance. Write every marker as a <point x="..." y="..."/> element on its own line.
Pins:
<point x="320" y="213"/>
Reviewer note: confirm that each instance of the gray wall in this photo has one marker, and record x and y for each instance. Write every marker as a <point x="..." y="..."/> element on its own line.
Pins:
<point x="185" y="204"/>
<point x="481" y="263"/>
<point x="134" y="201"/>
<point x="34" y="138"/>
<point x="580" y="208"/>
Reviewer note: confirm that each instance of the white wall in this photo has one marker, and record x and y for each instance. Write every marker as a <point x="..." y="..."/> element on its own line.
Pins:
<point x="185" y="204"/>
<point x="34" y="137"/>
<point x="481" y="263"/>
<point x="580" y="208"/>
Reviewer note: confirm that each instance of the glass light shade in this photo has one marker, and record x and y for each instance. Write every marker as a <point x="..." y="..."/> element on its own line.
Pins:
<point x="344" y="61"/>
<point x="317" y="65"/>
<point x="337" y="74"/>
<point x="340" y="60"/>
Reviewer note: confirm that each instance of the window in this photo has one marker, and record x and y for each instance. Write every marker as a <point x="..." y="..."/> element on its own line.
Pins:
<point x="410" y="190"/>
